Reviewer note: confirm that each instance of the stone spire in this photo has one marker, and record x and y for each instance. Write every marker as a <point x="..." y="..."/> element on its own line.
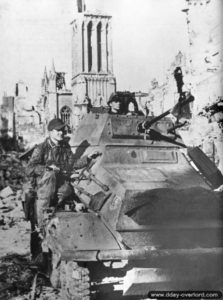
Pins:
<point x="45" y="76"/>
<point x="52" y="75"/>
<point x="53" y="70"/>
<point x="52" y="79"/>
<point x="44" y="81"/>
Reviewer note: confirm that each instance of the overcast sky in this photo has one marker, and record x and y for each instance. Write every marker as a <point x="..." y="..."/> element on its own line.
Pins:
<point x="147" y="34"/>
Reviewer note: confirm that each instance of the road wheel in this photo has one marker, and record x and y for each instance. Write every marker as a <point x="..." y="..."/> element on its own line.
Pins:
<point x="75" y="281"/>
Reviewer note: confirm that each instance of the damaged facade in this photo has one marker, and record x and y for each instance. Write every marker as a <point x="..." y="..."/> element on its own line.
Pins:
<point x="7" y="118"/>
<point x="163" y="96"/>
<point x="19" y="119"/>
<point x="204" y="23"/>
<point x="202" y="76"/>
<point x="27" y="119"/>
<point x="205" y="46"/>
<point x="56" y="99"/>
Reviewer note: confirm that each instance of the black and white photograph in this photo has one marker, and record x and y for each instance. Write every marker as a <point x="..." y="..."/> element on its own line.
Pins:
<point x="111" y="149"/>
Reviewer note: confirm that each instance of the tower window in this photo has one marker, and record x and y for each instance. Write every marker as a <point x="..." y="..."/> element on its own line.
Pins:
<point x="99" y="46"/>
<point x="65" y="113"/>
<point x="107" y="52"/>
<point x="89" y="36"/>
<point x="83" y="46"/>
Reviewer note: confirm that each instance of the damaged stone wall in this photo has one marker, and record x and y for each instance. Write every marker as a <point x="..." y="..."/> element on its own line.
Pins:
<point x="204" y="22"/>
<point x="28" y="123"/>
<point x="202" y="76"/>
<point x="56" y="100"/>
<point x="171" y="91"/>
<point x="20" y="122"/>
<point x="165" y="95"/>
<point x="7" y="116"/>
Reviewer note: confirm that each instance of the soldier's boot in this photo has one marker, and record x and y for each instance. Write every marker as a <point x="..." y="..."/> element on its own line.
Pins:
<point x="37" y="234"/>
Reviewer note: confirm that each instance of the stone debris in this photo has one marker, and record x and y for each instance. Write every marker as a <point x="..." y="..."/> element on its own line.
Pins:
<point x="12" y="173"/>
<point x="11" y="210"/>
<point x="16" y="270"/>
<point x="20" y="280"/>
<point x="15" y="276"/>
<point x="6" y="192"/>
<point x="48" y="293"/>
<point x="12" y="176"/>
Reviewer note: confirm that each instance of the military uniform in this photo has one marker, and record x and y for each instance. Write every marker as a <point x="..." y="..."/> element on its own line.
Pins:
<point x="48" y="183"/>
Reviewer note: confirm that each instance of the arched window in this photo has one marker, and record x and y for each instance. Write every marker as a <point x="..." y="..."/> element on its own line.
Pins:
<point x="83" y="46"/>
<point x="99" y="46"/>
<point x="65" y="114"/>
<point x="89" y="48"/>
<point x="107" y="52"/>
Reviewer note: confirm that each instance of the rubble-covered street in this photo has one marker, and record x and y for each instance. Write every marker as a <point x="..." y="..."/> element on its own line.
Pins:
<point x="12" y="176"/>
<point x="17" y="274"/>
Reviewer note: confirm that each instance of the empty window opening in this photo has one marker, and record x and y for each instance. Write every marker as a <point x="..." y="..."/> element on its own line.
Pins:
<point x="99" y="46"/>
<point x="89" y="35"/>
<point x="66" y="115"/>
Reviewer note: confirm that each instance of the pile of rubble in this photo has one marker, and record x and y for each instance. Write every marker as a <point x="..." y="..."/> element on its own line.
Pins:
<point x="12" y="171"/>
<point x="11" y="210"/>
<point x="12" y="176"/>
<point x="15" y="276"/>
<point x="19" y="278"/>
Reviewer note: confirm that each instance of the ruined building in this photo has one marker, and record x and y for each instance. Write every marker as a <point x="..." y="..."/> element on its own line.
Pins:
<point x="202" y="76"/>
<point x="7" y="118"/>
<point x="204" y="23"/>
<point x="202" y="66"/>
<point x="56" y="100"/>
<point x="165" y="95"/>
<point x="19" y="119"/>
<point x="27" y="118"/>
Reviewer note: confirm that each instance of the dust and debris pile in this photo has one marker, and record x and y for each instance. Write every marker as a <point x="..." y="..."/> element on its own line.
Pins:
<point x="16" y="269"/>
<point x="12" y="171"/>
<point x="15" y="275"/>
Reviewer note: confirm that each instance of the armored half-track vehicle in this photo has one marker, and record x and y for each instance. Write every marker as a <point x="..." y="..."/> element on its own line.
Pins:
<point x="152" y="222"/>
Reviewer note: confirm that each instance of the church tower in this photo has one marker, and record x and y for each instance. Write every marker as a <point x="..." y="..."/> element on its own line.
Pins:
<point x="92" y="63"/>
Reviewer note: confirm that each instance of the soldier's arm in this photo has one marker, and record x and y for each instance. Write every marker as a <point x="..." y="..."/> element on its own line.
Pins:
<point x="36" y="165"/>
